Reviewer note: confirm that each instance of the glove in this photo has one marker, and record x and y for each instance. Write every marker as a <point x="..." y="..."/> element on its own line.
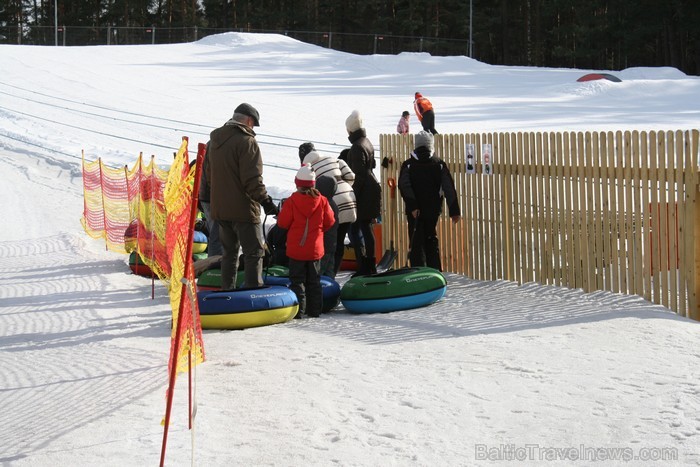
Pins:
<point x="269" y="207"/>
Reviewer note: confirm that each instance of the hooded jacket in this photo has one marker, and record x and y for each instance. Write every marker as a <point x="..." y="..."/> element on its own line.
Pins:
<point x="234" y="172"/>
<point x="368" y="192"/>
<point x="423" y="181"/>
<point x="306" y="218"/>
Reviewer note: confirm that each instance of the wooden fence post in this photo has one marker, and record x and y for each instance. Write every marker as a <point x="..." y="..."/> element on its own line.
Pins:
<point x="693" y="192"/>
<point x="693" y="305"/>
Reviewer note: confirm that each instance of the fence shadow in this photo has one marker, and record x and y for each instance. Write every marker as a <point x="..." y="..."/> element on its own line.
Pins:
<point x="67" y="335"/>
<point x="473" y="307"/>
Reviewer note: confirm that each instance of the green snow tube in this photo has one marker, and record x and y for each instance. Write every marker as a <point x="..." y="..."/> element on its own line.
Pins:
<point x="396" y="289"/>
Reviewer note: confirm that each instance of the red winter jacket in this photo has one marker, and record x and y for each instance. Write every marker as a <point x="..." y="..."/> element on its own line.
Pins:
<point x="305" y="218"/>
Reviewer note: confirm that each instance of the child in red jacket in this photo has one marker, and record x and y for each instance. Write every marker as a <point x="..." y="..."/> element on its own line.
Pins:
<point x="306" y="215"/>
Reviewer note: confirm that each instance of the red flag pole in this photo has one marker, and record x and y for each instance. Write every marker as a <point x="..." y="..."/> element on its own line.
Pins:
<point x="178" y="331"/>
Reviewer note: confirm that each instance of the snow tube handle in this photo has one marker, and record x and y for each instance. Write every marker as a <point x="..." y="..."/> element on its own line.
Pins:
<point x="366" y="284"/>
<point x="216" y="297"/>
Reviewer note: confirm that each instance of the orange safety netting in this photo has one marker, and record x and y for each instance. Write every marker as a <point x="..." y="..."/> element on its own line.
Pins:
<point x="150" y="211"/>
<point x="126" y="208"/>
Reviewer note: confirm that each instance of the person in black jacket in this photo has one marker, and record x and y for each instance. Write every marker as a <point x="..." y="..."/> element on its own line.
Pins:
<point x="423" y="180"/>
<point x="327" y="186"/>
<point x="368" y="193"/>
<point x="276" y="240"/>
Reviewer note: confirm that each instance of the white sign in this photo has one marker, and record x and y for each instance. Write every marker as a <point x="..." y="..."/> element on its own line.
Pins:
<point x="486" y="151"/>
<point x="471" y="159"/>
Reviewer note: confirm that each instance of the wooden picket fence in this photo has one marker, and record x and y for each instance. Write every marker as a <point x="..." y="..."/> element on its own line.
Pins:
<point x="615" y="211"/>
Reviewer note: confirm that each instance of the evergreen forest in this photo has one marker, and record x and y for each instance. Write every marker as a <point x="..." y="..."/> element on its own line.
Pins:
<point x="596" y="34"/>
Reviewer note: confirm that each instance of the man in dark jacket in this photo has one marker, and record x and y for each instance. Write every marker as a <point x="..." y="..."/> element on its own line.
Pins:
<point x="423" y="180"/>
<point x="237" y="191"/>
<point x="368" y="194"/>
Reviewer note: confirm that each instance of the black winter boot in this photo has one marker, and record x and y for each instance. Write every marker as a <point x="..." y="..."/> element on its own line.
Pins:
<point x="432" y="254"/>
<point x="371" y="264"/>
<point x="362" y="267"/>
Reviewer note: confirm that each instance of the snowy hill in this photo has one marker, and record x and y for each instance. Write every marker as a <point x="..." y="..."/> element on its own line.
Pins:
<point x="490" y="374"/>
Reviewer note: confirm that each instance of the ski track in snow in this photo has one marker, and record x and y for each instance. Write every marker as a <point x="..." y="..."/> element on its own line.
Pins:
<point x="380" y="405"/>
<point x="63" y="362"/>
<point x="70" y="347"/>
<point x="78" y="347"/>
<point x="71" y="359"/>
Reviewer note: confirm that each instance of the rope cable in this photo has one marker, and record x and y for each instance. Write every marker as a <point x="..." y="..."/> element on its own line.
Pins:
<point x="333" y="145"/>
<point x="262" y="142"/>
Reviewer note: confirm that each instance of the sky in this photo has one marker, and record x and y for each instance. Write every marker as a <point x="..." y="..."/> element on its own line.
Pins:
<point x="495" y="373"/>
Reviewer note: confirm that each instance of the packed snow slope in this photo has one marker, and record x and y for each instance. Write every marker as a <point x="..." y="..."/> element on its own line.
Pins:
<point x="493" y="374"/>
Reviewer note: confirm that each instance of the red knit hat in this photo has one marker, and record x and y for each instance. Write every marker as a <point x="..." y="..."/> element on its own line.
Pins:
<point x="306" y="177"/>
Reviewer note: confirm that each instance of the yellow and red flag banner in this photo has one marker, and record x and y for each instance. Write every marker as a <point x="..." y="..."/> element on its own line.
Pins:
<point x="150" y="211"/>
<point x="181" y="209"/>
<point x="125" y="207"/>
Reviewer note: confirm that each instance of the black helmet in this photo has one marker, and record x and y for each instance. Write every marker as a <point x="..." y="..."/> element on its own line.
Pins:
<point x="304" y="149"/>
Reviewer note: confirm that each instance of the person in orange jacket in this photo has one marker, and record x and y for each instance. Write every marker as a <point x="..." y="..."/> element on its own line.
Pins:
<point x="425" y="113"/>
<point x="306" y="215"/>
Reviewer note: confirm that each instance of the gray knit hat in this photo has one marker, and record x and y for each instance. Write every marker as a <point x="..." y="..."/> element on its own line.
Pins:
<point x="425" y="139"/>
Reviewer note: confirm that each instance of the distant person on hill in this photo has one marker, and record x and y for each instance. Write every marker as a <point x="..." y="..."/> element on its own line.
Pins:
<point x="425" y="113"/>
<point x="402" y="127"/>
<point x="423" y="180"/>
<point x="306" y="215"/>
<point x="234" y="173"/>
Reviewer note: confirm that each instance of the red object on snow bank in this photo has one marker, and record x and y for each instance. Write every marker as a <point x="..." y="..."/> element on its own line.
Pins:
<point x="595" y="76"/>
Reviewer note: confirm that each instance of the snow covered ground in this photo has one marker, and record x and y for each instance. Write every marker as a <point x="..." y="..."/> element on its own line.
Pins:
<point x="493" y="374"/>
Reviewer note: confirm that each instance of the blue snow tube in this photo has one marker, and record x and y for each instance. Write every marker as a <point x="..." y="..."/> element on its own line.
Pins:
<point x="246" y="308"/>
